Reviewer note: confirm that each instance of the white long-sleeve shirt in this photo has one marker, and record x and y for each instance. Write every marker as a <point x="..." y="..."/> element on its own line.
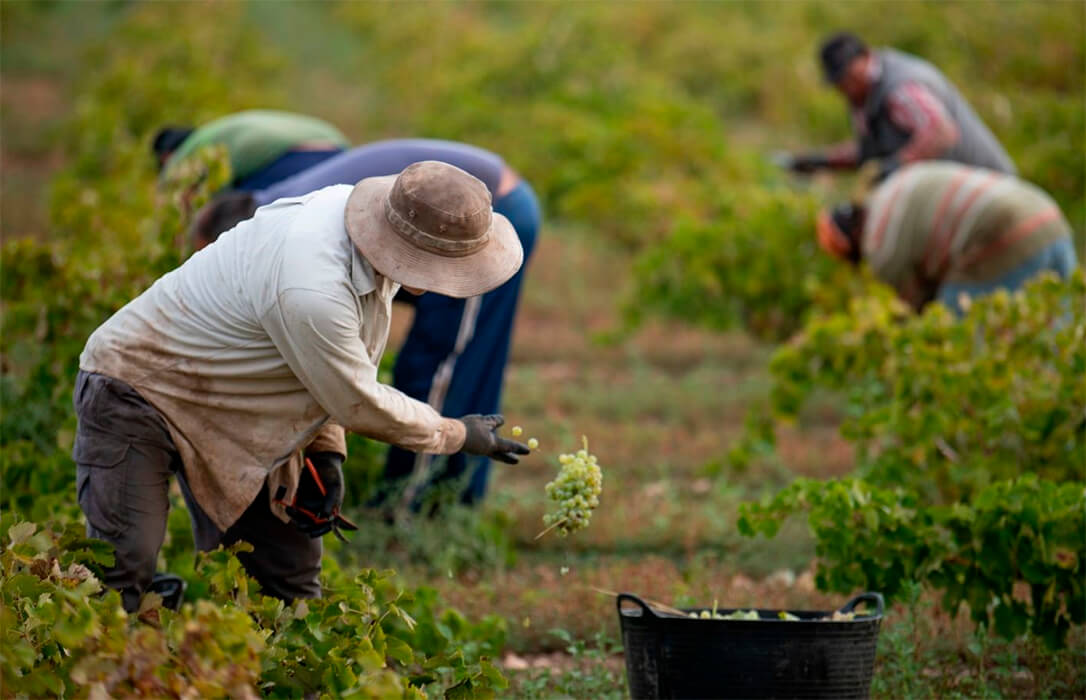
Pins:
<point x="258" y="346"/>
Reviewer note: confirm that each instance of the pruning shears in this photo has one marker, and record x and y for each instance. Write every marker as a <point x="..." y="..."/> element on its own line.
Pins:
<point x="312" y="523"/>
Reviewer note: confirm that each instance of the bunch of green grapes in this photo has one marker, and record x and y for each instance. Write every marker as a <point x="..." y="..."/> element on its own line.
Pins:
<point x="836" y="616"/>
<point x="576" y="490"/>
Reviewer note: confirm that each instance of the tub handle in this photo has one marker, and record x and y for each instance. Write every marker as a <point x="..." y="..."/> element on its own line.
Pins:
<point x="869" y="597"/>
<point x="646" y="610"/>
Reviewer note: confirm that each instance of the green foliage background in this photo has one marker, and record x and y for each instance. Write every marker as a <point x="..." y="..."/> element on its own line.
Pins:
<point x="970" y="442"/>
<point x="641" y="123"/>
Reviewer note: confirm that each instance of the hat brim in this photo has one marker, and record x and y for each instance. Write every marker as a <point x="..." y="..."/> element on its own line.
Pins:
<point x="394" y="257"/>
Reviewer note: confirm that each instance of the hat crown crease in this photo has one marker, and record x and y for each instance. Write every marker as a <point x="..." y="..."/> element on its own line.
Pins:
<point x="429" y="198"/>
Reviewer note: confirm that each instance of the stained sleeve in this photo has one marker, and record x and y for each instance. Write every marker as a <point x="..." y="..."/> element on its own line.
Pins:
<point x="330" y="438"/>
<point x="318" y="336"/>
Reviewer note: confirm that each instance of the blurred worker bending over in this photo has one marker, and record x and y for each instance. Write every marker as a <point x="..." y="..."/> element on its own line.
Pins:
<point x="265" y="146"/>
<point x="903" y="110"/>
<point x="940" y="230"/>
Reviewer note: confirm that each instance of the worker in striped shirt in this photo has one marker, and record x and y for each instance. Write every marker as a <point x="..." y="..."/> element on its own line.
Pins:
<point x="940" y="231"/>
<point x="903" y="110"/>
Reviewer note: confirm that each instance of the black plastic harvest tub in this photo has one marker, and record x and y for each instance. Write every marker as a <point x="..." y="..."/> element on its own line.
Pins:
<point x="668" y="656"/>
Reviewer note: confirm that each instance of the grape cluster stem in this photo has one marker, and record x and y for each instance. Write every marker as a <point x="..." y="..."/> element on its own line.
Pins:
<point x="551" y="527"/>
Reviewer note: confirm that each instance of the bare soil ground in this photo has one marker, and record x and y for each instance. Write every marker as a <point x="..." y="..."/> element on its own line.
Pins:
<point x="656" y="407"/>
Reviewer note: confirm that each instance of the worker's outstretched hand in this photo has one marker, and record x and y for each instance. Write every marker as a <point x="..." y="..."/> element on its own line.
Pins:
<point x="481" y="439"/>
<point x="807" y="163"/>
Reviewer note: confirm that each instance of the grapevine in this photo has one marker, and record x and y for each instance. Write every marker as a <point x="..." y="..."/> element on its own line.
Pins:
<point x="576" y="490"/>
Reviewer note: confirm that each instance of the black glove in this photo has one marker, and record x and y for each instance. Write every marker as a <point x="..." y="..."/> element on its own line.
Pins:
<point x="320" y="494"/>
<point x="807" y="163"/>
<point x="320" y="488"/>
<point x="480" y="439"/>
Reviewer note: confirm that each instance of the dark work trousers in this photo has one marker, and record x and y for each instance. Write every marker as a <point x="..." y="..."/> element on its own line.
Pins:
<point x="455" y="354"/>
<point x="124" y="459"/>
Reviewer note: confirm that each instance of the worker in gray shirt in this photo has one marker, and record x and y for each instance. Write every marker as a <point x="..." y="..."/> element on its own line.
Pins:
<point x="903" y="110"/>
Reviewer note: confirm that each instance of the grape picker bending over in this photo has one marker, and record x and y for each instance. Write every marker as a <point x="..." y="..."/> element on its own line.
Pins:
<point x="455" y="354"/>
<point x="264" y="146"/>
<point x="937" y="230"/>
<point x="903" y="110"/>
<point x="256" y="353"/>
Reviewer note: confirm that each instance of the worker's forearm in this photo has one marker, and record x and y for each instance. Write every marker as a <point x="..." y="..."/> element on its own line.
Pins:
<point x="384" y="413"/>
<point x="843" y="156"/>
<point x="837" y="157"/>
<point x="931" y="143"/>
<point x="443" y="436"/>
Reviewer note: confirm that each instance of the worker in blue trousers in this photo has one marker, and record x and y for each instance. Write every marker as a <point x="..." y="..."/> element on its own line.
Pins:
<point x="455" y="353"/>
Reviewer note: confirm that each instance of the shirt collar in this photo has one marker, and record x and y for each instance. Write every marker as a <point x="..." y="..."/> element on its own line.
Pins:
<point x="366" y="280"/>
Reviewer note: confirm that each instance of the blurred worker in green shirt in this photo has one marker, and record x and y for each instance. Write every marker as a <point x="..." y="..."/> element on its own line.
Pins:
<point x="264" y="145"/>
<point x="940" y="231"/>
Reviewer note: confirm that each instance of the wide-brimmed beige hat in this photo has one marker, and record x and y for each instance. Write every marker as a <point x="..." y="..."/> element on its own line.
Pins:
<point x="432" y="227"/>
